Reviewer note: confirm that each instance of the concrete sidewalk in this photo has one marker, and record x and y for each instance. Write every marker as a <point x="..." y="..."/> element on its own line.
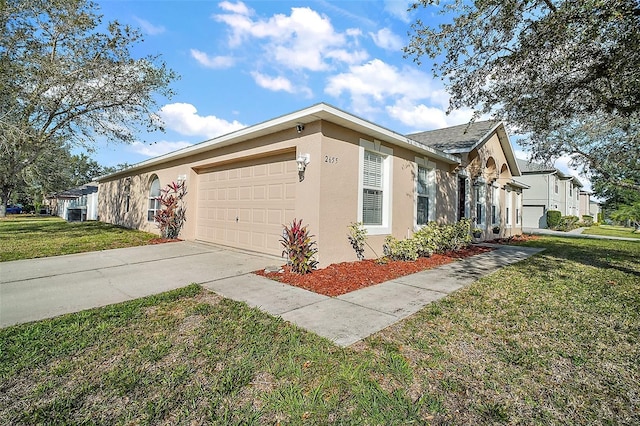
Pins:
<point x="351" y="317"/>
<point x="43" y="288"/>
<point x="574" y="233"/>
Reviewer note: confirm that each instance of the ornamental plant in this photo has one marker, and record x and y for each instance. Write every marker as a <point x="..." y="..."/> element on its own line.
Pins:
<point x="171" y="217"/>
<point x="299" y="248"/>
<point x="358" y="238"/>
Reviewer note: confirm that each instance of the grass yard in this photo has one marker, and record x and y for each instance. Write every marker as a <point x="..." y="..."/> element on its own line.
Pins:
<point x="552" y="340"/>
<point x="28" y="237"/>
<point x="612" y="231"/>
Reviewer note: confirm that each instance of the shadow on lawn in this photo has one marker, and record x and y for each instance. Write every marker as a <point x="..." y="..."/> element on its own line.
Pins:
<point x="606" y="254"/>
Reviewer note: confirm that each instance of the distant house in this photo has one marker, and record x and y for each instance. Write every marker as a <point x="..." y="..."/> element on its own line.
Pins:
<point x="330" y="169"/>
<point x="550" y="189"/>
<point x="76" y="204"/>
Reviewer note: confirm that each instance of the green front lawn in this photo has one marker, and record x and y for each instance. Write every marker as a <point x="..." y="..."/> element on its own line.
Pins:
<point x="554" y="339"/>
<point x="28" y="237"/>
<point x="612" y="231"/>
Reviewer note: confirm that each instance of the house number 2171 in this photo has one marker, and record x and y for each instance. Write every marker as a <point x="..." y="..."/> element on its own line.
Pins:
<point x="330" y="160"/>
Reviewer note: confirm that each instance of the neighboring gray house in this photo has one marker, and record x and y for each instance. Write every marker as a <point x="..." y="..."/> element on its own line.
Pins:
<point x="550" y="189"/>
<point x="76" y="204"/>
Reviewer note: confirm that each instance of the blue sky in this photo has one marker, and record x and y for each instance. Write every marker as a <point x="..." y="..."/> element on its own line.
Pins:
<point x="243" y="63"/>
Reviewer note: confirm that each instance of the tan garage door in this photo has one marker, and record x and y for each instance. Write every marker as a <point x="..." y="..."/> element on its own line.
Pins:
<point x="245" y="204"/>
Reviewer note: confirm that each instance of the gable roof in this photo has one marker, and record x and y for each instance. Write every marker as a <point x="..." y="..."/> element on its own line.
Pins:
<point x="456" y="139"/>
<point x="527" y="167"/>
<point x="320" y="111"/>
<point x="464" y="138"/>
<point x="530" y="168"/>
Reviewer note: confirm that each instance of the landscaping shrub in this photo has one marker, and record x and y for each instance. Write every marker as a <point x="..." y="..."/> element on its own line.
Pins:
<point x="553" y="219"/>
<point x="357" y="237"/>
<point x="298" y="248"/>
<point x="173" y="213"/>
<point x="406" y="249"/>
<point x="431" y="238"/>
<point x="567" y="223"/>
<point x="587" y="220"/>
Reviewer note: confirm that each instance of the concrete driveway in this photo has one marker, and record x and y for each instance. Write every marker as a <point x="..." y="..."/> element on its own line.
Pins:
<point x="42" y="288"/>
<point x="35" y="289"/>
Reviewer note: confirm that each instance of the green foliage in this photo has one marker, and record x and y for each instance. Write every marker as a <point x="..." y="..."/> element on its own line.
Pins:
<point x="69" y="79"/>
<point x="553" y="218"/>
<point x="563" y="73"/>
<point x="600" y="217"/>
<point x="630" y="213"/>
<point x="171" y="217"/>
<point x="406" y="249"/>
<point x="587" y="220"/>
<point x="567" y="223"/>
<point x="299" y="249"/>
<point x="358" y="237"/>
<point x="431" y="238"/>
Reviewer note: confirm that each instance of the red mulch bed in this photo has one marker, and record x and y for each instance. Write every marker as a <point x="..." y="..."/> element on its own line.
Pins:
<point x="345" y="277"/>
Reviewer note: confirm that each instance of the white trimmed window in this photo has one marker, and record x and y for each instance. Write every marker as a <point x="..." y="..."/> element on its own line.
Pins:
<point x="495" y="205"/>
<point x="374" y="204"/>
<point x="481" y="200"/>
<point x="518" y="207"/>
<point x="425" y="200"/>
<point x="154" y="203"/>
<point x="373" y="189"/>
<point x="509" y="209"/>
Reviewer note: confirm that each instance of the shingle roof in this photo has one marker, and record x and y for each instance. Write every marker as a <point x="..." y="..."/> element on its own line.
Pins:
<point x="457" y="138"/>
<point x="529" y="167"/>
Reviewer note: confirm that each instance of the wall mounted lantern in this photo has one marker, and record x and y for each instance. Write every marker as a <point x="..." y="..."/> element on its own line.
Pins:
<point x="302" y="161"/>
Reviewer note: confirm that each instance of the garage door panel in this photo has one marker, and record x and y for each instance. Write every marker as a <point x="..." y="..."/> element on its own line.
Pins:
<point x="261" y="196"/>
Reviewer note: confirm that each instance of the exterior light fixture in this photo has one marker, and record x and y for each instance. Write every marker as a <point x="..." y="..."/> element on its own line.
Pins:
<point x="299" y="127"/>
<point x="302" y="161"/>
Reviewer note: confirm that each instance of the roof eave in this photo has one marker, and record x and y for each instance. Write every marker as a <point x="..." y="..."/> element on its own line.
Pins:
<point x="313" y="113"/>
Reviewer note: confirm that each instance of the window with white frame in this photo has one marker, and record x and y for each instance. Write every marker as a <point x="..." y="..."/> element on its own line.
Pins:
<point x="374" y="207"/>
<point x="495" y="205"/>
<point x="154" y="203"/>
<point x="373" y="191"/>
<point x="480" y="196"/>
<point x="508" y="209"/>
<point x="555" y="184"/>
<point x="518" y="207"/>
<point x="425" y="192"/>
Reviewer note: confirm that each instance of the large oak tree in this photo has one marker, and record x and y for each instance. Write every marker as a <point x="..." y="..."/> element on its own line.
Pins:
<point x="68" y="79"/>
<point x="564" y="73"/>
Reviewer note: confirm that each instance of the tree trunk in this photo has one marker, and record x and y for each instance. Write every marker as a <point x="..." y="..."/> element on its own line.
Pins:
<point x="4" y="199"/>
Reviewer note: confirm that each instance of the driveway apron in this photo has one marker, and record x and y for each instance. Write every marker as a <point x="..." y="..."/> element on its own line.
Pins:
<point x="35" y="289"/>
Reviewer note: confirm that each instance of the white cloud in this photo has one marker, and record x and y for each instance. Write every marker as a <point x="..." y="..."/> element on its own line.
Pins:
<point x="155" y="149"/>
<point x="184" y="119"/>
<point x="377" y="82"/>
<point x="422" y="117"/>
<point x="272" y="83"/>
<point x="398" y="9"/>
<point x="148" y="27"/>
<point x="386" y="39"/>
<point x="303" y="40"/>
<point x="239" y="7"/>
<point x="215" y="62"/>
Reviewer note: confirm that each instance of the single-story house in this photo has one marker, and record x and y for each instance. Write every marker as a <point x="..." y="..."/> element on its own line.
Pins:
<point x="330" y="169"/>
<point x="76" y="204"/>
<point x="550" y="189"/>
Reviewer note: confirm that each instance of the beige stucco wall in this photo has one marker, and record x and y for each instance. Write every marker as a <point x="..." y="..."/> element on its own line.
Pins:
<point x="326" y="199"/>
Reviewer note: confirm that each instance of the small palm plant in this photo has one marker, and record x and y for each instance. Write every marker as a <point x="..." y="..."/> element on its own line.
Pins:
<point x="298" y="248"/>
